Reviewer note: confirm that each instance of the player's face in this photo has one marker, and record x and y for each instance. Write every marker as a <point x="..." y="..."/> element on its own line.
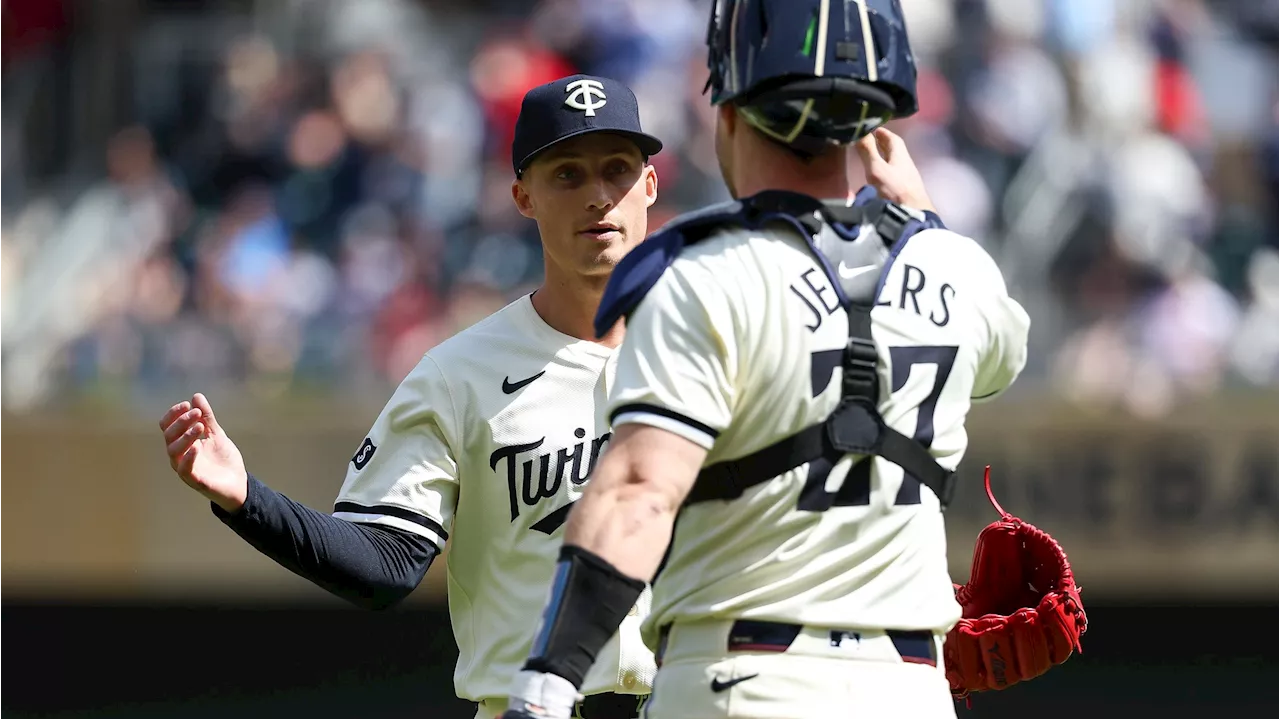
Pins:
<point x="590" y="196"/>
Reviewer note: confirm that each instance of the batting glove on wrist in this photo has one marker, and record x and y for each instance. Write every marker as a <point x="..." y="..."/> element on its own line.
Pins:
<point x="537" y="695"/>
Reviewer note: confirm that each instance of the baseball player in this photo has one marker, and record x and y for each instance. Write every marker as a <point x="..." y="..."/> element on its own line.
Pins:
<point x="490" y="439"/>
<point x="789" y="406"/>
<point x="512" y="410"/>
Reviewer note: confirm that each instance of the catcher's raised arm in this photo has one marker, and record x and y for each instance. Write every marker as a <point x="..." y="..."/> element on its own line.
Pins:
<point x="1022" y="608"/>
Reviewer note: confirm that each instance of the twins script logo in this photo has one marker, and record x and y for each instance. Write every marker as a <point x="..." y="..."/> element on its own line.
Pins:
<point x="583" y="94"/>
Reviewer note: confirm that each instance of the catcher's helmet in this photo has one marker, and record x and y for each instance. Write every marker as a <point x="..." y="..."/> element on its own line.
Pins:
<point x="812" y="73"/>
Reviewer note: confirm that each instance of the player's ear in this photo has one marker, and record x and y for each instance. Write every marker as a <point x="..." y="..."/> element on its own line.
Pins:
<point x="524" y="202"/>
<point x="650" y="185"/>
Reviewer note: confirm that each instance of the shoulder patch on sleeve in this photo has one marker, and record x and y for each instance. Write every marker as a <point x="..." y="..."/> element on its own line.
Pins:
<point x="364" y="454"/>
<point x="640" y="270"/>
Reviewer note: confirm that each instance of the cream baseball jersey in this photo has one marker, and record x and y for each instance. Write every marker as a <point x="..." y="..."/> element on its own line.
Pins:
<point x="738" y="346"/>
<point x="486" y="444"/>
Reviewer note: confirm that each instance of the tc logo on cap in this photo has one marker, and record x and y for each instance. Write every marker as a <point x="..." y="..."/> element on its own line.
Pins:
<point x="583" y="94"/>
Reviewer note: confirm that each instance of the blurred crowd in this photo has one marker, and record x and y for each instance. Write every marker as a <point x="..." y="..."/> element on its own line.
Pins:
<point x="317" y="196"/>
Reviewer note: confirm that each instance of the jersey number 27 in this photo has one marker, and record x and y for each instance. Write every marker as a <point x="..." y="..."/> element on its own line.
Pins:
<point x="856" y="489"/>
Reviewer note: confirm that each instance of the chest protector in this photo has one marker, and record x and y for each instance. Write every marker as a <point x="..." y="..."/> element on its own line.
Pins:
<point x="856" y="262"/>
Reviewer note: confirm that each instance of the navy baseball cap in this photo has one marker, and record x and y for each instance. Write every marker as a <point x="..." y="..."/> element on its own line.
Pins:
<point x="573" y="106"/>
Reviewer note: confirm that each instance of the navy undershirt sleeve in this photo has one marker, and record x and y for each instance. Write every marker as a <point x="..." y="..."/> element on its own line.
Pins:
<point x="372" y="566"/>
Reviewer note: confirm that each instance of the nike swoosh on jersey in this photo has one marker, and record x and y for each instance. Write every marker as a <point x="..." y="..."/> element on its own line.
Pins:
<point x="848" y="272"/>
<point x="719" y="686"/>
<point x="509" y="387"/>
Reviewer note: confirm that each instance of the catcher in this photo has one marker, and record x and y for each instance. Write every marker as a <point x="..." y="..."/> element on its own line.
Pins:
<point x="1022" y="612"/>
<point x="807" y="569"/>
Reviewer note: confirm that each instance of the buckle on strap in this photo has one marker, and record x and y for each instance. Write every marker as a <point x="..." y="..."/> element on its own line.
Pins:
<point x="892" y="221"/>
<point x="860" y="380"/>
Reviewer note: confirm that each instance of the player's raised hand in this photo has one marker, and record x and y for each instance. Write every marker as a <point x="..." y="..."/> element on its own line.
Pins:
<point x="891" y="171"/>
<point x="203" y="455"/>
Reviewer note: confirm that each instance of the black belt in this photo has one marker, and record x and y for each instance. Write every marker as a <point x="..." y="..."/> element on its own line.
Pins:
<point x="610" y="706"/>
<point x="751" y="635"/>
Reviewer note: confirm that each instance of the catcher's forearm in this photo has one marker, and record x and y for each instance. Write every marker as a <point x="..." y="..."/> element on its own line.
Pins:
<point x="597" y="578"/>
<point x="371" y="566"/>
<point x="628" y="511"/>
<point x="614" y="542"/>
<point x="626" y="523"/>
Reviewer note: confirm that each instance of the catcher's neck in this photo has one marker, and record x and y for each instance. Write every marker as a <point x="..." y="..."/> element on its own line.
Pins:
<point x="760" y="164"/>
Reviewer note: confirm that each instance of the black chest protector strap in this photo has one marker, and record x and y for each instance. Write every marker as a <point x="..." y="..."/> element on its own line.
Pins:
<point x="855" y="427"/>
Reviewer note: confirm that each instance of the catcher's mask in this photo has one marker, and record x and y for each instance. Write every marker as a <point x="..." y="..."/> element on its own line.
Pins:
<point x="811" y="73"/>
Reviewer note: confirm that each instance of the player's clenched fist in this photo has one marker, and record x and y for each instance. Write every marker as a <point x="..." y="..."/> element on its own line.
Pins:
<point x="203" y="455"/>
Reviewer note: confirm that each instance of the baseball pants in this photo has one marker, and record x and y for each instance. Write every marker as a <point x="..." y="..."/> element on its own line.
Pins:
<point x="748" y="669"/>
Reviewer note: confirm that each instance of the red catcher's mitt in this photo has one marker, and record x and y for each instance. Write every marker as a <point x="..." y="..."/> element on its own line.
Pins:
<point x="1022" y="610"/>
